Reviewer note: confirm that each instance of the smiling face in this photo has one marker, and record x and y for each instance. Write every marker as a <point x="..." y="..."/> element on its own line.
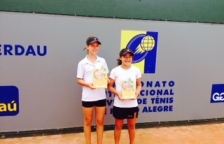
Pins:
<point x="93" y="48"/>
<point x="126" y="59"/>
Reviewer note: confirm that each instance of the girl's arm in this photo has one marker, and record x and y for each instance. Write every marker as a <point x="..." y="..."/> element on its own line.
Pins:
<point x="112" y="89"/>
<point x="83" y="83"/>
<point x="138" y="87"/>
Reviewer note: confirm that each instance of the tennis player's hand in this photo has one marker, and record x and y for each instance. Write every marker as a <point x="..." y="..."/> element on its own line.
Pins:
<point x="91" y="87"/>
<point x="137" y="95"/>
<point x="120" y="97"/>
<point x="108" y="80"/>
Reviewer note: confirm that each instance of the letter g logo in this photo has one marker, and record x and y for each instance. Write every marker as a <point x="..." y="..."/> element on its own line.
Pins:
<point x="218" y="96"/>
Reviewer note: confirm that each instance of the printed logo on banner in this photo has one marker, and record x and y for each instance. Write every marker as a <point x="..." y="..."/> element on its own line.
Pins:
<point x="156" y="96"/>
<point x="20" y="50"/>
<point x="9" y="101"/>
<point x="144" y="46"/>
<point x="217" y="95"/>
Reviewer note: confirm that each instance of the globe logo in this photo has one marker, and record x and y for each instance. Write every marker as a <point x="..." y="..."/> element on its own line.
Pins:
<point x="147" y="43"/>
<point x="144" y="46"/>
<point x="141" y="44"/>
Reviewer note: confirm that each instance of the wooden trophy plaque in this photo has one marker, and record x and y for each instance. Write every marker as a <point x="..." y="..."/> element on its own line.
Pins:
<point x="128" y="89"/>
<point x="100" y="78"/>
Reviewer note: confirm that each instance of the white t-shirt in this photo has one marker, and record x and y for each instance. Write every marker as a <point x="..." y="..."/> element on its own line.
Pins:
<point x="85" y="72"/>
<point x="119" y="74"/>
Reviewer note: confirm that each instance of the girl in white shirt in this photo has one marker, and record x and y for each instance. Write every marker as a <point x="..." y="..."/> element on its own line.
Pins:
<point x="92" y="99"/>
<point x="124" y="109"/>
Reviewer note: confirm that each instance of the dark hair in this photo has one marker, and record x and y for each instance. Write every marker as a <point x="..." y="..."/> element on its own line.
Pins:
<point x="119" y="62"/>
<point x="92" y="39"/>
<point x="88" y="39"/>
<point x="122" y="53"/>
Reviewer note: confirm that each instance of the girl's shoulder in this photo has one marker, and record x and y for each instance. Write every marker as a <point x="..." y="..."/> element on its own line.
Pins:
<point x="100" y="58"/>
<point x="134" y="67"/>
<point x="116" y="69"/>
<point x="84" y="60"/>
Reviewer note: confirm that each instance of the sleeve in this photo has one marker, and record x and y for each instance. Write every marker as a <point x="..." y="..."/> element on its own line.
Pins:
<point x="138" y="75"/>
<point x="112" y="74"/>
<point x="80" y="71"/>
<point x="105" y="65"/>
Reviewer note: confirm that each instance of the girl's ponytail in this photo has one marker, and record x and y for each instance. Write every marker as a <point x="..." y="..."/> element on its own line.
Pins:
<point x="119" y="62"/>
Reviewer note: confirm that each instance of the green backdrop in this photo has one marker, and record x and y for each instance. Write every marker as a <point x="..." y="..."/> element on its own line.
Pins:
<point x="208" y="11"/>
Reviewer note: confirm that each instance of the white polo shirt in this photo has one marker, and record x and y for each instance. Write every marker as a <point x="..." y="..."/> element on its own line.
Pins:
<point x="85" y="72"/>
<point x="119" y="74"/>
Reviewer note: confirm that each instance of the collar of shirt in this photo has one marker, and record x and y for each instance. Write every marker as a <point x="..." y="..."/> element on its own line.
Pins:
<point x="88" y="62"/>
